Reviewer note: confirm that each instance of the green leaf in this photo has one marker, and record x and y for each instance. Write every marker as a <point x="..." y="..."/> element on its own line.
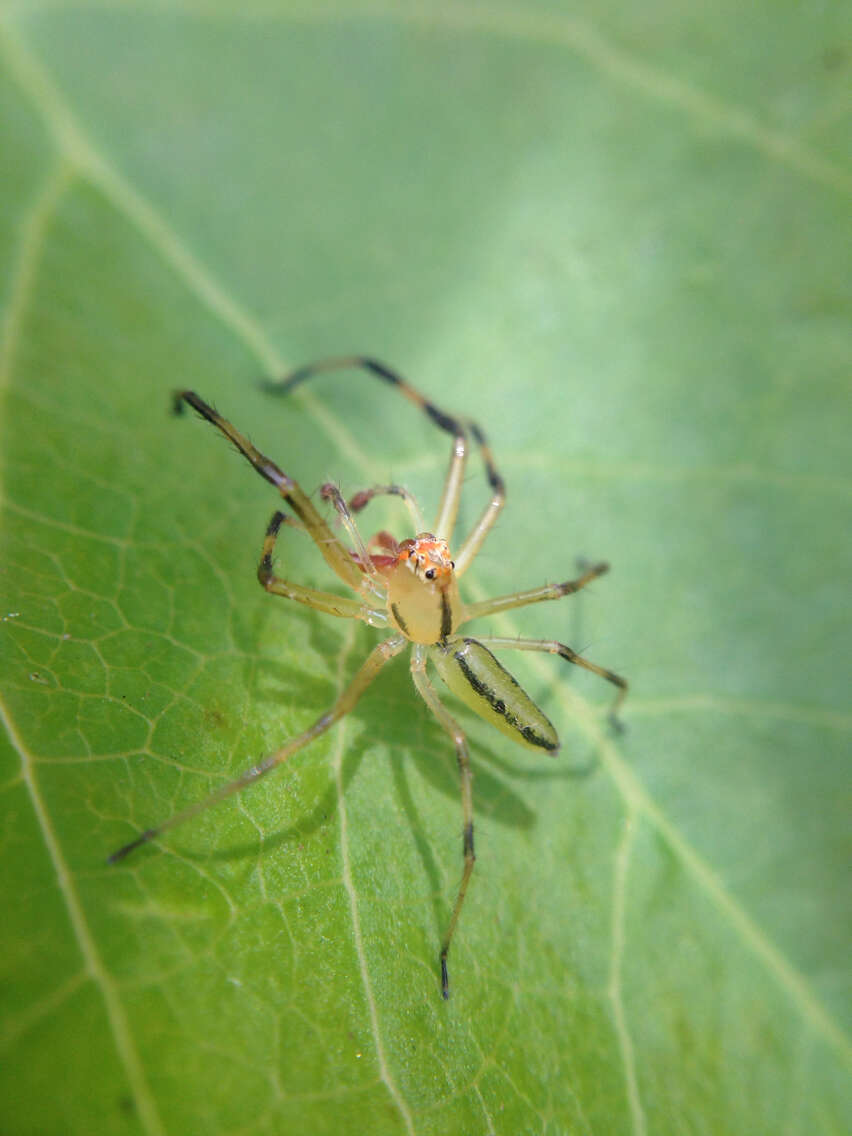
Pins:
<point x="616" y="236"/>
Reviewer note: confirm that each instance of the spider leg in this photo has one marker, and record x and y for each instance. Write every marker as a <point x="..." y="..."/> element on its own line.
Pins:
<point x="458" y="427"/>
<point x="326" y="602"/>
<point x="550" y="646"/>
<point x="533" y="595"/>
<point x="368" y="671"/>
<point x="448" y="509"/>
<point x="492" y="510"/>
<point x="335" y="554"/>
<point x="427" y="693"/>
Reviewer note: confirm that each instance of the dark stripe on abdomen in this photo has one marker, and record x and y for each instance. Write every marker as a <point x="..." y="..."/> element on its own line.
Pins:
<point x="528" y="733"/>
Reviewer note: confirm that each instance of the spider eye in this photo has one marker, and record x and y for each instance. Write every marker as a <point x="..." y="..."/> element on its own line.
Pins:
<point x="429" y="573"/>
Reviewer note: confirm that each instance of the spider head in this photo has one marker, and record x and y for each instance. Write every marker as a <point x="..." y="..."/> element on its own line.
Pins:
<point x="423" y="595"/>
<point x="428" y="558"/>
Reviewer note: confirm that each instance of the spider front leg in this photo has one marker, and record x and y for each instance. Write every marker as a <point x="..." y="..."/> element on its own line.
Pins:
<point x="427" y="693"/>
<point x="550" y="646"/>
<point x="458" y="427"/>
<point x="368" y="672"/>
<point x="534" y="595"/>
<point x="326" y="602"/>
<point x="333" y="551"/>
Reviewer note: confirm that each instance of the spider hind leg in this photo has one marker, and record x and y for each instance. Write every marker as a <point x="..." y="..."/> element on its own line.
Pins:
<point x="552" y="647"/>
<point x="427" y="693"/>
<point x="368" y="671"/>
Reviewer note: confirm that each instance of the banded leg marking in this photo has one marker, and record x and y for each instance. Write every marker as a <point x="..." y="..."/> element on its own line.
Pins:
<point x="326" y="602"/>
<point x="427" y="693"/>
<point x="458" y="427"/>
<point x="534" y="595"/>
<point x="334" y="553"/>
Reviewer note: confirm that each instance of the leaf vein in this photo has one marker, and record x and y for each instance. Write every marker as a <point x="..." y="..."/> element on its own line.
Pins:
<point x="124" y="1043"/>
<point x="621" y="869"/>
<point x="749" y="707"/>
<point x="34" y="232"/>
<point x="81" y="152"/>
<point x="554" y="29"/>
<point x="73" y="143"/>
<point x="349" y="885"/>
<point x="636" y="797"/>
<point x="13" y="1028"/>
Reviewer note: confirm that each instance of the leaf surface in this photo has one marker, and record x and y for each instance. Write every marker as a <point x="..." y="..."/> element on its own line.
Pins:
<point x="620" y="241"/>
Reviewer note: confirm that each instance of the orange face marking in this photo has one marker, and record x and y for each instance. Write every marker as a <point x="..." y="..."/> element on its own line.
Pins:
<point x="427" y="557"/>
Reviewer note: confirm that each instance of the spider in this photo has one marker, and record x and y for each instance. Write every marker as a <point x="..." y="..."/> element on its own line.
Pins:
<point x="411" y="588"/>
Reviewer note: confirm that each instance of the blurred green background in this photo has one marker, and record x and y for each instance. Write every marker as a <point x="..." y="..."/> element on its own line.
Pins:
<point x="616" y="234"/>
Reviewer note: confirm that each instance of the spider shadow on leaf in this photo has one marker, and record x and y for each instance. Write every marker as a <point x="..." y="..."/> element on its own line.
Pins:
<point x="414" y="737"/>
<point x="281" y="683"/>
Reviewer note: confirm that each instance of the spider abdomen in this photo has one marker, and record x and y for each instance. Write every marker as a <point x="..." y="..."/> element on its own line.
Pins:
<point x="475" y="676"/>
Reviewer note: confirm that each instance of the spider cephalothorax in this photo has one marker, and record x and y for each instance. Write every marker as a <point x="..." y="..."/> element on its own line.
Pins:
<point x="427" y="557"/>
<point x="422" y="593"/>
<point x="410" y="587"/>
